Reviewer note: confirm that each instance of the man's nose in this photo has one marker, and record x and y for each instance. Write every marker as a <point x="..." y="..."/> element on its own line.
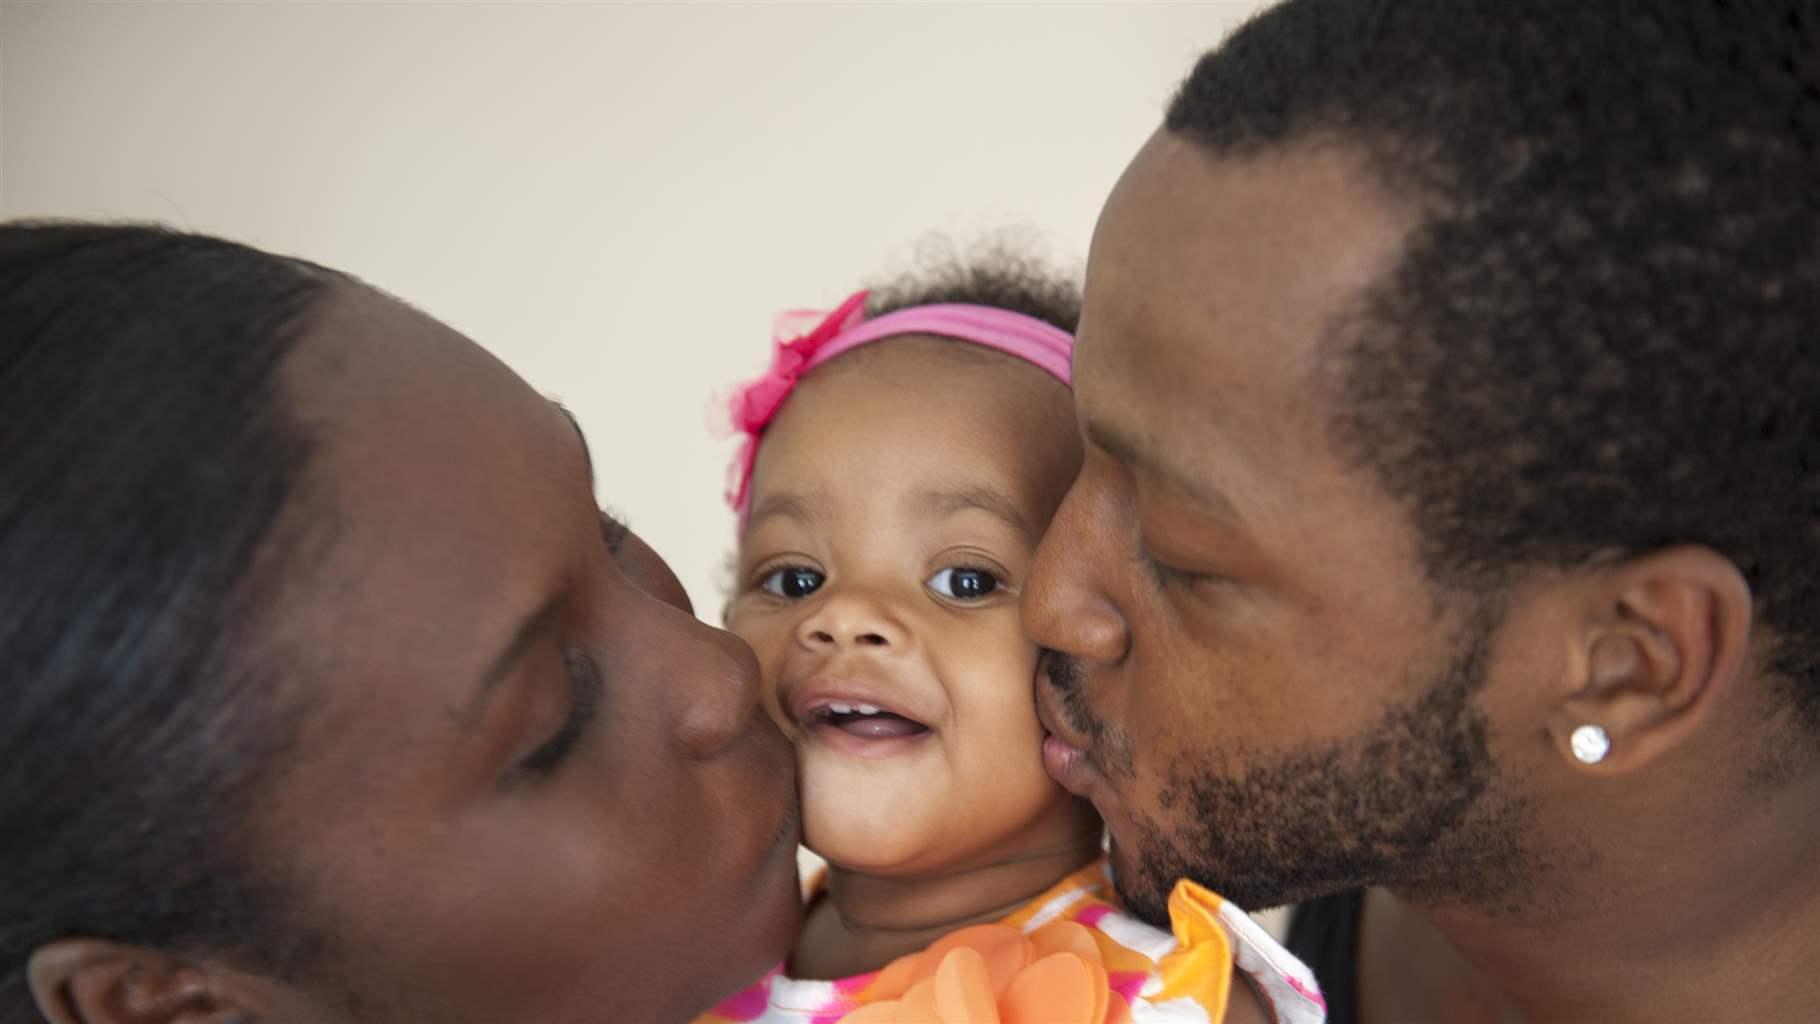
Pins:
<point x="1063" y="607"/>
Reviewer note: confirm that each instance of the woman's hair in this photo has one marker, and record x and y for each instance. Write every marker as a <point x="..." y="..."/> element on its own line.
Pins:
<point x="146" y="461"/>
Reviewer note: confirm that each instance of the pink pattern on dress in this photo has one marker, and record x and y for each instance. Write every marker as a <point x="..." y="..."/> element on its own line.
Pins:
<point x="1092" y="916"/>
<point x="749" y="1003"/>
<point x="1126" y="983"/>
<point x="1314" y="996"/>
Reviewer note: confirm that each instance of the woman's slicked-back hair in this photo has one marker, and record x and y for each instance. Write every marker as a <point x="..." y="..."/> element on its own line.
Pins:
<point x="146" y="458"/>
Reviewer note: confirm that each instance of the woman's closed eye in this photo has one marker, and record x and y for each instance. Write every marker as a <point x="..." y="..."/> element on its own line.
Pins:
<point x="585" y="692"/>
<point x="792" y="582"/>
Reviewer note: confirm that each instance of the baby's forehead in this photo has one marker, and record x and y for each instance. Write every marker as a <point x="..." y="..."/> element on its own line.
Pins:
<point x="929" y="499"/>
<point x="921" y="427"/>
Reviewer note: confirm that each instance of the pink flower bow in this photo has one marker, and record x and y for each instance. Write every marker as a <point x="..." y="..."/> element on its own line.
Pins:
<point x="755" y="405"/>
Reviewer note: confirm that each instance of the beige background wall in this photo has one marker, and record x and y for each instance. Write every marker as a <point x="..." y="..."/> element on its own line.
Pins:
<point x="613" y="198"/>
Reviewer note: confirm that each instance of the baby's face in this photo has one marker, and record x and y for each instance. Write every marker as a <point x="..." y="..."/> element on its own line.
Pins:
<point x="897" y="502"/>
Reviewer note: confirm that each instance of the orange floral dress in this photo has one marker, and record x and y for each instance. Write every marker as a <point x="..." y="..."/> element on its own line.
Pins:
<point x="1070" y="956"/>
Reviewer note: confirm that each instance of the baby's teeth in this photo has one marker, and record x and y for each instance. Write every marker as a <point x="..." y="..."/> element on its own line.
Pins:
<point x="867" y="709"/>
<point x="840" y="709"/>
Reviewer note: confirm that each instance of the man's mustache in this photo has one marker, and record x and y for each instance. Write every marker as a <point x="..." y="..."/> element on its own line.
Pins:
<point x="1068" y="679"/>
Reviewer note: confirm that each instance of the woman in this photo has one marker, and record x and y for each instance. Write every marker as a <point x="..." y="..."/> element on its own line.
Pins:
<point x="329" y="694"/>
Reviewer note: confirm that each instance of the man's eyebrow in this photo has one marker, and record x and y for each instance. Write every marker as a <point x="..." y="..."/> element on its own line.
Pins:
<point x="586" y="455"/>
<point x="783" y="506"/>
<point x="989" y="500"/>
<point x="1141" y="459"/>
<point x="529" y="631"/>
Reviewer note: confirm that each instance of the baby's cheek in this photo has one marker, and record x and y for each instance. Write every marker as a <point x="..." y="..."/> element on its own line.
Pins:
<point x="1004" y="676"/>
<point x="1010" y="736"/>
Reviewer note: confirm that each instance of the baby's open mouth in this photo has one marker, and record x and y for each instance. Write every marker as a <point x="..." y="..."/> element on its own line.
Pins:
<point x="863" y="721"/>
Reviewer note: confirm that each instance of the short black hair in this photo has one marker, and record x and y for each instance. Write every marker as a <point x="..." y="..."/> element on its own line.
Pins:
<point x="145" y="465"/>
<point x="1603" y="337"/>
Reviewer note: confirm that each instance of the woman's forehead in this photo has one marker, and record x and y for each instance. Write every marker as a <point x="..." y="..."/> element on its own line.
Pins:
<point x="452" y="491"/>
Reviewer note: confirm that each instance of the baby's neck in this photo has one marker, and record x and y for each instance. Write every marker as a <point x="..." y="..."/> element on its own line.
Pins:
<point x="863" y="922"/>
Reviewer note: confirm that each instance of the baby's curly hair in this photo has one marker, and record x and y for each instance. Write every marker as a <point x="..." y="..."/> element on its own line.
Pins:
<point x="998" y="273"/>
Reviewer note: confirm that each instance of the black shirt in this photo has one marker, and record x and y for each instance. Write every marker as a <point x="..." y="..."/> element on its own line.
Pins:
<point x="1324" y="934"/>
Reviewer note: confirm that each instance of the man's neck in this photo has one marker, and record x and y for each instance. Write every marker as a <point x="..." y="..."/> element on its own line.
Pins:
<point x="1711" y="928"/>
<point x="865" y="921"/>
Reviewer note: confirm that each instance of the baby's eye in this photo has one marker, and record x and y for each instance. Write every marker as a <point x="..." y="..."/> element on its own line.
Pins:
<point x="963" y="584"/>
<point x="794" y="582"/>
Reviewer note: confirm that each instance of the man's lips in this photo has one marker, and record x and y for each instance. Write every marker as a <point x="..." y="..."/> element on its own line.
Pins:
<point x="1064" y="757"/>
<point x="1051" y="717"/>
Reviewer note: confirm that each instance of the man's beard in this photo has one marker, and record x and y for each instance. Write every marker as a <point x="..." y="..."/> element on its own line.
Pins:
<point x="1411" y="802"/>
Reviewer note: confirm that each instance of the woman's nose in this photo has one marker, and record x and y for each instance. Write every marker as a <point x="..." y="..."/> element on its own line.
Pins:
<point x="720" y="709"/>
<point x="850" y="618"/>
<point x="1063" y="607"/>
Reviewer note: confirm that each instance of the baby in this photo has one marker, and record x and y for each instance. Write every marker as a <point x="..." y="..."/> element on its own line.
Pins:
<point x="904" y="454"/>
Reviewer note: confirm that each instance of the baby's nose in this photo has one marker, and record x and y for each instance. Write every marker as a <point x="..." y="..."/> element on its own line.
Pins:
<point x="850" y="619"/>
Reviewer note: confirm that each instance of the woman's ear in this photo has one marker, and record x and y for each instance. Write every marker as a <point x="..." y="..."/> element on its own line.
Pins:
<point x="93" y="981"/>
<point x="1662" y="641"/>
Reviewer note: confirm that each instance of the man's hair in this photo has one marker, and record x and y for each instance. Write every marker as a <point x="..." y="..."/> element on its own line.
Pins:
<point x="145" y="464"/>
<point x="1604" y="334"/>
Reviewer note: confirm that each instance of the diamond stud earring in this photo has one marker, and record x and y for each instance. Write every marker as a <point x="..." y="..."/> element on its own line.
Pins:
<point x="1590" y="744"/>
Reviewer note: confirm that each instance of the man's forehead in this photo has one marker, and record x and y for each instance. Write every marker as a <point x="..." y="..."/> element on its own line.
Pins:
<point x="1214" y="281"/>
<point x="1161" y="461"/>
<point x="1305" y="227"/>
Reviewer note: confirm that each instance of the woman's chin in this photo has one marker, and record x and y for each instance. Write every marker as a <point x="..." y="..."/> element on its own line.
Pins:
<point x="775" y="891"/>
<point x="777" y="934"/>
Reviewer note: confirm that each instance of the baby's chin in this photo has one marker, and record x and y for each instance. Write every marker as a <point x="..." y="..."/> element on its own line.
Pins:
<point x="867" y="846"/>
<point x="867" y="824"/>
<point x="922" y="831"/>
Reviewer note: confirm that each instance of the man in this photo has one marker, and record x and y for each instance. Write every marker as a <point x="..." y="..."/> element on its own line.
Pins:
<point x="1450" y="522"/>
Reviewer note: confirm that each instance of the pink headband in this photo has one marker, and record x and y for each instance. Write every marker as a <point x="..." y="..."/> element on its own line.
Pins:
<point x="755" y="405"/>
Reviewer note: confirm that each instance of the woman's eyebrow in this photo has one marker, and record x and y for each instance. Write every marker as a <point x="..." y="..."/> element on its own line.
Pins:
<point x="613" y="527"/>
<point x="586" y="455"/>
<point x="529" y="631"/>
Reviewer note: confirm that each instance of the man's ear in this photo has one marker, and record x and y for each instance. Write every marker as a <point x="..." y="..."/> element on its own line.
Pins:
<point x="1661" y="642"/>
<point x="92" y="981"/>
